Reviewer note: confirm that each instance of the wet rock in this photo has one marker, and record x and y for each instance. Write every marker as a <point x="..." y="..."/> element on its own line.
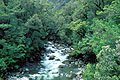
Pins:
<point x="52" y="51"/>
<point x="23" y="78"/>
<point x="71" y="71"/>
<point x="26" y="69"/>
<point x="31" y="59"/>
<point x="66" y="62"/>
<point x="72" y="76"/>
<point x="55" y="72"/>
<point x="41" y="57"/>
<point x="61" y="74"/>
<point x="62" y="50"/>
<point x="71" y="48"/>
<point x="77" y="79"/>
<point x="72" y="62"/>
<point x="51" y="57"/>
<point x="61" y="66"/>
<point x="76" y="63"/>
<point x="46" y="45"/>
<point x="70" y="65"/>
<point x="57" y="59"/>
<point x="68" y="49"/>
<point x="79" y="73"/>
<point x="61" y="47"/>
<point x="53" y="46"/>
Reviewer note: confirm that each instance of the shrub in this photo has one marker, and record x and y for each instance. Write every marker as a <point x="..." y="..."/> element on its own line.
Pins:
<point x="107" y="68"/>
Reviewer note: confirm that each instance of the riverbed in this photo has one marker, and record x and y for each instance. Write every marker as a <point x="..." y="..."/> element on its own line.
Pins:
<point x="55" y="65"/>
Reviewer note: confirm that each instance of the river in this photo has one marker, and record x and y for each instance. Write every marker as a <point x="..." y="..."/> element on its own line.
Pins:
<point x="54" y="66"/>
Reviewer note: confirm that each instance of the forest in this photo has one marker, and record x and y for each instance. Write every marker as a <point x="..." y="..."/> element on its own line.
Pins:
<point x="91" y="27"/>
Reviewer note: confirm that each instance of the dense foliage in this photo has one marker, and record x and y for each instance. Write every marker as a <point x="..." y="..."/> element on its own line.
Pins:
<point x="92" y="27"/>
<point x="108" y="66"/>
<point x="25" y="26"/>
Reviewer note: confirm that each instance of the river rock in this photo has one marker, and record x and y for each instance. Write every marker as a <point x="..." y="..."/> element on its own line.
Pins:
<point x="68" y="49"/>
<point x="66" y="62"/>
<point x="79" y="73"/>
<point x="51" y="57"/>
<point x="73" y="76"/>
<point x="61" y="66"/>
<point x="26" y="69"/>
<point x="76" y="63"/>
<point x="70" y="65"/>
<point x="31" y="60"/>
<point x="52" y="51"/>
<point x="57" y="59"/>
<point x="62" y="50"/>
<point x="53" y="46"/>
<point x="61" y="47"/>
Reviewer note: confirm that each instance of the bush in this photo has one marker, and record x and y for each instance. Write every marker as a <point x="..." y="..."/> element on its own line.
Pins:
<point x="107" y="68"/>
<point x="23" y="32"/>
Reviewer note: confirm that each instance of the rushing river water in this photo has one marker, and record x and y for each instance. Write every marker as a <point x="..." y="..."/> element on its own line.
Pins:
<point x="54" y="66"/>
